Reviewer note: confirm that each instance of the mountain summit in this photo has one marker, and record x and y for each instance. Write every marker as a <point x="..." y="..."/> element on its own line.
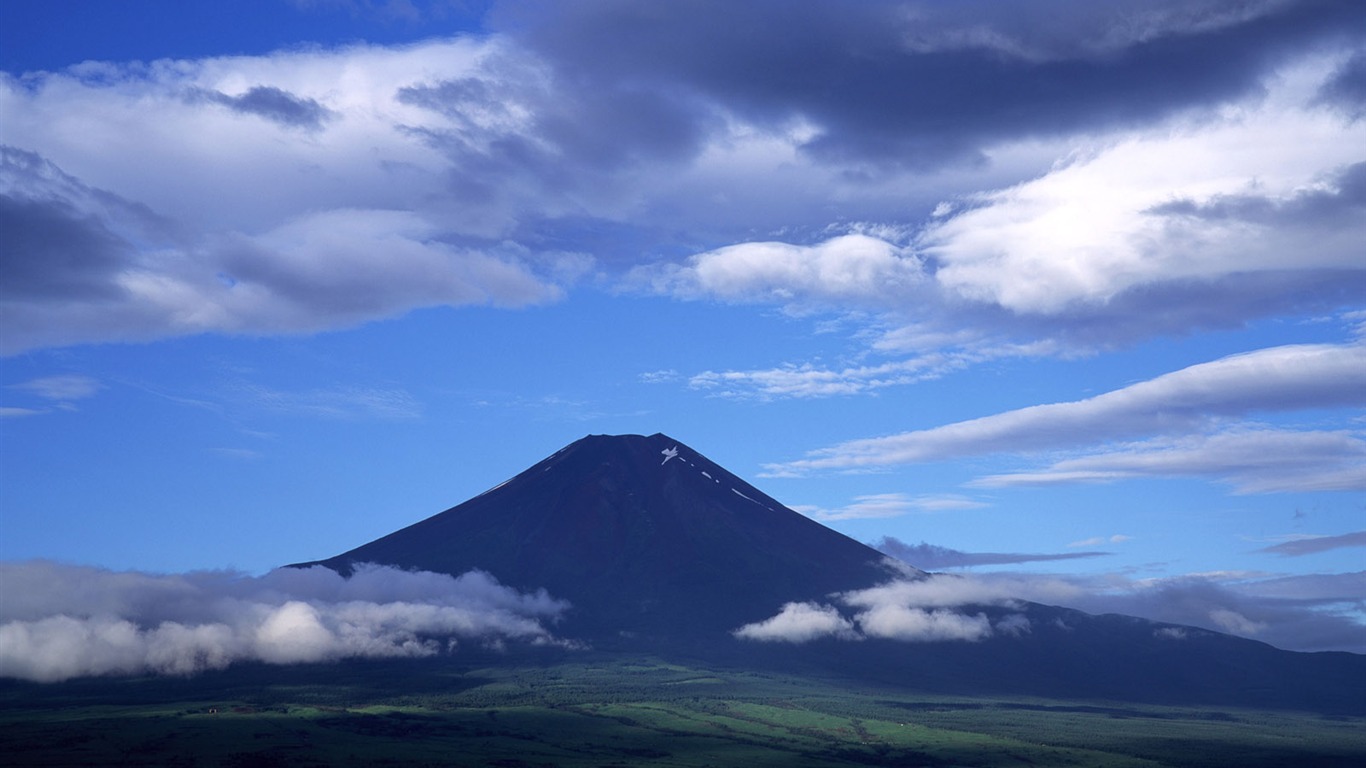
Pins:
<point x="644" y="536"/>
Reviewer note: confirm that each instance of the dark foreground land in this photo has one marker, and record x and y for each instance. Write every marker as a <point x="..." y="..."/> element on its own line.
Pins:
<point x="597" y="710"/>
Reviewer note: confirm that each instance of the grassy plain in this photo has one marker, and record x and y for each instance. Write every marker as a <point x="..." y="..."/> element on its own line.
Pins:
<point x="588" y="710"/>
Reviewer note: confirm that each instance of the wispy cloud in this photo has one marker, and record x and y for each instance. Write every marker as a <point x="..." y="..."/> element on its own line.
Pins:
<point x="1312" y="545"/>
<point x="1275" y="379"/>
<point x="335" y="403"/>
<point x="1094" y="541"/>
<point x="930" y="557"/>
<point x="807" y="380"/>
<point x="239" y="454"/>
<point x="59" y="392"/>
<point x="659" y="377"/>
<point x="59" y="621"/>
<point x="66" y="387"/>
<point x="1252" y="460"/>
<point x="889" y="505"/>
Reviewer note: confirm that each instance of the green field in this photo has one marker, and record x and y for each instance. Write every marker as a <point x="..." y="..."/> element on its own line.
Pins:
<point x="611" y="711"/>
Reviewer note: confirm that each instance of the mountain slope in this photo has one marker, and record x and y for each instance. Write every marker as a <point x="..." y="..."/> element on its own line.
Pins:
<point x="644" y="536"/>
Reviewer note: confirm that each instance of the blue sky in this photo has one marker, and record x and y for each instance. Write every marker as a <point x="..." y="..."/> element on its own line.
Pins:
<point x="1071" y="294"/>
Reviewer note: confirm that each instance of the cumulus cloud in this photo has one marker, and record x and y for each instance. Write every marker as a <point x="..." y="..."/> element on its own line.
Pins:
<point x="320" y="270"/>
<point x="869" y="80"/>
<point x="60" y="621"/>
<point x="852" y="267"/>
<point x="357" y="220"/>
<point x="1180" y="206"/>
<point x="1285" y="378"/>
<point x="1165" y="220"/>
<point x="733" y="148"/>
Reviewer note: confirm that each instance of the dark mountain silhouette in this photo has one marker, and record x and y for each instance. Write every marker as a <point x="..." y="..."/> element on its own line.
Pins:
<point x="648" y="540"/>
<point x="660" y="550"/>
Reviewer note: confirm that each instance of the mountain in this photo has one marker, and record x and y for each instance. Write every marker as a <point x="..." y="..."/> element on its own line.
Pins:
<point x="660" y="550"/>
<point x="647" y="539"/>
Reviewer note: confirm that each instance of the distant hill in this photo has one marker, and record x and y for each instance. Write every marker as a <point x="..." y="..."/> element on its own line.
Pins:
<point x="659" y="549"/>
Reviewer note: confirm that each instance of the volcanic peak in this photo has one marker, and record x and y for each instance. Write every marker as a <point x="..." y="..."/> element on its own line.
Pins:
<point x="642" y="534"/>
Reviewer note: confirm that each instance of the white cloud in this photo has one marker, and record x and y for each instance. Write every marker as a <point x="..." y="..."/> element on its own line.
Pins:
<point x="897" y="622"/>
<point x="662" y="376"/>
<point x="65" y="387"/>
<point x="335" y="403"/>
<point x="386" y="179"/>
<point x="1303" y="613"/>
<point x="889" y="505"/>
<point x="918" y="610"/>
<point x="1310" y="544"/>
<point x="1095" y="227"/>
<point x="799" y="623"/>
<point x="1253" y="460"/>
<point x="1094" y="541"/>
<point x="58" y="622"/>
<point x="1209" y="218"/>
<point x="808" y="380"/>
<point x="936" y="354"/>
<point x="939" y="591"/>
<point x="1276" y="379"/>
<point x="348" y="220"/>
<point x="849" y="268"/>
<point x="1235" y="623"/>
<point x="1315" y="612"/>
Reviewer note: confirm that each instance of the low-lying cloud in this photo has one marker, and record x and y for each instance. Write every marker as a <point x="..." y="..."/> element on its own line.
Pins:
<point x="799" y="623"/>
<point x="931" y="557"/>
<point x="1321" y="612"/>
<point x="60" y="621"/>
<point x="918" y="610"/>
